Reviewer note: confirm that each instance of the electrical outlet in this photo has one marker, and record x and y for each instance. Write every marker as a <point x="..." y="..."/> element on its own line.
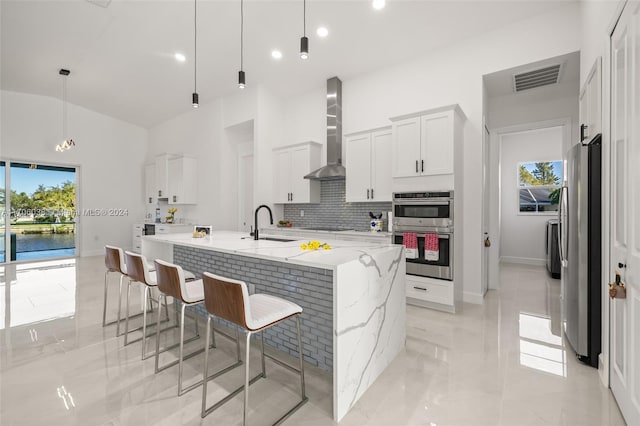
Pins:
<point x="301" y="213"/>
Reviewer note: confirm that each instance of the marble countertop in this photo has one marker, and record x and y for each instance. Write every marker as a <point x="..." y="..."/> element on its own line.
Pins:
<point x="341" y="251"/>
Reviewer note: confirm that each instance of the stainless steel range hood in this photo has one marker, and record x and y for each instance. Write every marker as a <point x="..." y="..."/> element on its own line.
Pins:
<point x="334" y="169"/>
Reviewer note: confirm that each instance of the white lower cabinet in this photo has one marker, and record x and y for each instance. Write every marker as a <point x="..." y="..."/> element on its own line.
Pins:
<point x="430" y="292"/>
<point x="138" y="232"/>
<point x="173" y="229"/>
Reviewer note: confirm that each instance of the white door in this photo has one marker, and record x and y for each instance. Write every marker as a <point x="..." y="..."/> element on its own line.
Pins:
<point x="245" y="188"/>
<point x="486" y="204"/>
<point x="358" y="181"/>
<point x="625" y="230"/>
<point x="381" y="166"/>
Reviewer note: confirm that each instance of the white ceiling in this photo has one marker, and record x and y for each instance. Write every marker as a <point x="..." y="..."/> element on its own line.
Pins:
<point x="121" y="56"/>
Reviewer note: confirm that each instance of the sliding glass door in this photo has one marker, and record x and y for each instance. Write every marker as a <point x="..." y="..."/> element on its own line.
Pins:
<point x="40" y="222"/>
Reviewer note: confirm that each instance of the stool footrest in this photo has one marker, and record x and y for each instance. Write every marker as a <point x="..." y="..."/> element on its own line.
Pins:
<point x="175" y="345"/>
<point x="282" y="363"/>
<point x="233" y="393"/>
<point x="290" y="412"/>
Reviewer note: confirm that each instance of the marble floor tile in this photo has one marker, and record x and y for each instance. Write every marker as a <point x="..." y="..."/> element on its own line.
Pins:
<point x="501" y="363"/>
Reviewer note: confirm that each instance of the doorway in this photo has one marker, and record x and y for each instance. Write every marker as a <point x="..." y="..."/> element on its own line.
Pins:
<point x="509" y="109"/>
<point x="39" y="205"/>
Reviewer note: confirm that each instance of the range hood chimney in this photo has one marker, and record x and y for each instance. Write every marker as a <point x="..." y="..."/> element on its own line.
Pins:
<point x="334" y="169"/>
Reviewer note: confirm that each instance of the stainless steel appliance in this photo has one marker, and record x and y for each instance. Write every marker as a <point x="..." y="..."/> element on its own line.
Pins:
<point x="426" y="213"/>
<point x="580" y="250"/>
<point x="149" y="229"/>
<point x="552" y="249"/>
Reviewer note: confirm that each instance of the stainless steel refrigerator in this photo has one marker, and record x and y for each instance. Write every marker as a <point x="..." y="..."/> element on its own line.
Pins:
<point x="580" y="238"/>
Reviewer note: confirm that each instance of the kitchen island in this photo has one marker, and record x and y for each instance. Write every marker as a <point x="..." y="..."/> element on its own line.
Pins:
<point x="353" y="297"/>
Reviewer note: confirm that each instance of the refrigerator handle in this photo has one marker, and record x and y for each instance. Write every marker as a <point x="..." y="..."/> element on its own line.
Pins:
<point x="561" y="224"/>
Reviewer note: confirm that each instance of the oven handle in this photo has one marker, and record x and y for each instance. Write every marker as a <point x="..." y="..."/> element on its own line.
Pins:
<point x="443" y="235"/>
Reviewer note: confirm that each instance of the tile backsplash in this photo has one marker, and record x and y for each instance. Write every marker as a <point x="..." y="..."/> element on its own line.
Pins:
<point x="334" y="211"/>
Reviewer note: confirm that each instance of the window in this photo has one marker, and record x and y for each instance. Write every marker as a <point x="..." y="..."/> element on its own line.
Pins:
<point x="539" y="186"/>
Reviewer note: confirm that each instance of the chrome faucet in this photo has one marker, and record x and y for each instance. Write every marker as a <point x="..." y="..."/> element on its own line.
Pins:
<point x="255" y="220"/>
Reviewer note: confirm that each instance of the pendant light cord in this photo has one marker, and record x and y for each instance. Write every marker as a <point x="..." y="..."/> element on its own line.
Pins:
<point x="195" y="46"/>
<point x="64" y="107"/>
<point x="241" y="35"/>
<point x="304" y="18"/>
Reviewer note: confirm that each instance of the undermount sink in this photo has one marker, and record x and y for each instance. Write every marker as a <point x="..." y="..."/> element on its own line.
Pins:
<point x="283" y="240"/>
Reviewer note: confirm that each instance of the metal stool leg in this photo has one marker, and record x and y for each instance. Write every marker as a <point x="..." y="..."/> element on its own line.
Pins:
<point x="246" y="379"/>
<point x="126" y="322"/>
<point x="301" y="356"/>
<point x="264" y="371"/>
<point x="144" y="322"/>
<point x="119" y="305"/>
<point x="104" y="308"/>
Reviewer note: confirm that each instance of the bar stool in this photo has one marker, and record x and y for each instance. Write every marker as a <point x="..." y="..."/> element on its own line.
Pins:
<point x="114" y="262"/>
<point x="229" y="299"/>
<point x="171" y="282"/>
<point x="138" y="271"/>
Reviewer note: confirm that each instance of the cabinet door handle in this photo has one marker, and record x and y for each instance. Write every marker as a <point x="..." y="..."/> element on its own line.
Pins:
<point x="416" y="166"/>
<point x="423" y="165"/>
<point x="149" y="200"/>
<point x="584" y="132"/>
<point x="372" y="193"/>
<point x="367" y="194"/>
<point x="420" y="288"/>
<point x="292" y="196"/>
<point x="175" y="198"/>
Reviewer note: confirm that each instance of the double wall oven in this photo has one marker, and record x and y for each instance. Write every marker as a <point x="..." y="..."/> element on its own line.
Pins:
<point x="424" y="214"/>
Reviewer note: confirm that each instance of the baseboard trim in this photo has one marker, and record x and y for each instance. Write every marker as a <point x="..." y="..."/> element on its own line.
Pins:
<point x="88" y="253"/>
<point x="523" y="260"/>
<point x="475" y="298"/>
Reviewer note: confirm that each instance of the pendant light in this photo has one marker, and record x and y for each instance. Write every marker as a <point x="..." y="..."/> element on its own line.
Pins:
<point x="304" y="41"/>
<point x="241" y="76"/>
<point x="68" y="142"/>
<point x="194" y="96"/>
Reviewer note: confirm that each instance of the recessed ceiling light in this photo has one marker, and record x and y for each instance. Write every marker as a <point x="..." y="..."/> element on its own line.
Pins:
<point x="276" y="54"/>
<point x="378" y="4"/>
<point x="180" y="57"/>
<point x="322" y="31"/>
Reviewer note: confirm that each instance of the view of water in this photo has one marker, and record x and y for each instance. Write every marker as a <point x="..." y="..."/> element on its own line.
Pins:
<point x="39" y="242"/>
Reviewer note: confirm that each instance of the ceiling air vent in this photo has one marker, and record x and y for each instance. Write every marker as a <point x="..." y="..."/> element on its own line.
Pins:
<point x="101" y="3"/>
<point x="536" y="78"/>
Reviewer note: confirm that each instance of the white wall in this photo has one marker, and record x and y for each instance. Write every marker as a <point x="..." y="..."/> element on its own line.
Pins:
<point x="454" y="75"/>
<point x="522" y="236"/>
<point x="597" y="19"/>
<point x="206" y="132"/>
<point x="109" y="152"/>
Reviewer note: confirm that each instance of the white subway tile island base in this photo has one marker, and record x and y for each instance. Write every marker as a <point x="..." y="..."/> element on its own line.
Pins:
<point x="365" y="296"/>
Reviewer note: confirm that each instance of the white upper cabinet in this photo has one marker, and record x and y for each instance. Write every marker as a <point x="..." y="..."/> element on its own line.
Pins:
<point x="591" y="104"/>
<point x="292" y="163"/>
<point x="183" y="180"/>
<point x="162" y="176"/>
<point x="368" y="166"/>
<point x="150" y="191"/>
<point x="406" y="147"/>
<point x="424" y="143"/>
<point x="172" y="178"/>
